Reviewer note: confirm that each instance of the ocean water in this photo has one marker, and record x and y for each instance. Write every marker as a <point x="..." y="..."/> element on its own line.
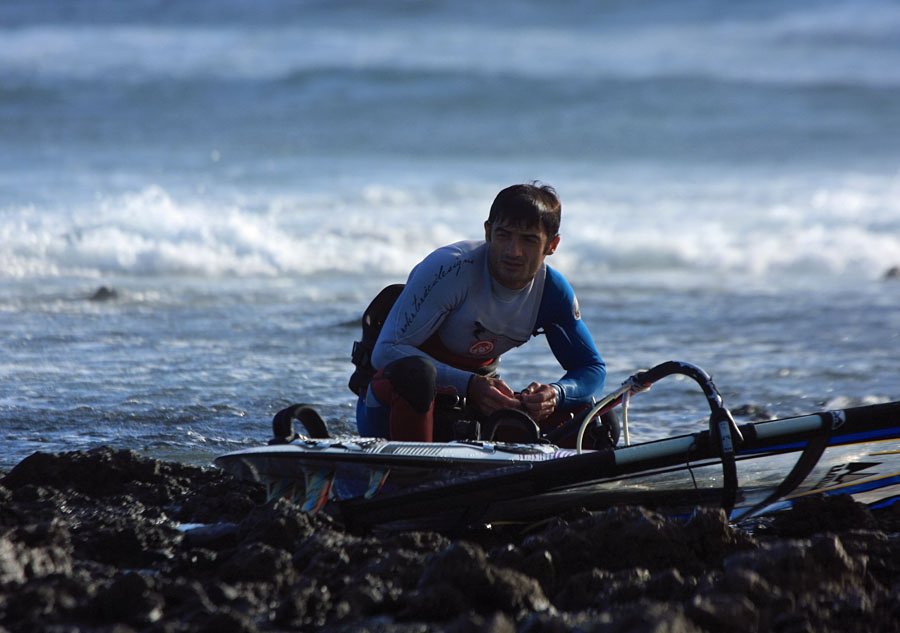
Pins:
<point x="246" y="176"/>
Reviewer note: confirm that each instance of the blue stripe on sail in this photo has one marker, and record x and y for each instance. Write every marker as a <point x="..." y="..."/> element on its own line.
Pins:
<point x="865" y="436"/>
<point x="864" y="486"/>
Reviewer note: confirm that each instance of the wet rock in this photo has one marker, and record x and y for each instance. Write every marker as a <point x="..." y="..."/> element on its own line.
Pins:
<point x="21" y="562"/>
<point x="228" y="621"/>
<point x="91" y="541"/>
<point x="201" y="495"/>
<point x="753" y="412"/>
<point x="634" y="538"/>
<point x="797" y="564"/>
<point x="644" y="615"/>
<point x="101" y="472"/>
<point x="324" y="553"/>
<point x="811" y="515"/>
<point x="12" y="571"/>
<point x="278" y="524"/>
<point x="33" y="604"/>
<point x="584" y="590"/>
<point x="537" y="563"/>
<point x="477" y="623"/>
<point x="258" y="562"/>
<point x="104" y="293"/>
<point x="724" y="612"/>
<point x="463" y="572"/>
<point x="212" y="536"/>
<point x="130" y="598"/>
<point x="305" y="605"/>
<point x="814" y="578"/>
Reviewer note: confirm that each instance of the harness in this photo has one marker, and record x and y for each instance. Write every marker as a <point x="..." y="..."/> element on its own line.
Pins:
<point x="372" y="321"/>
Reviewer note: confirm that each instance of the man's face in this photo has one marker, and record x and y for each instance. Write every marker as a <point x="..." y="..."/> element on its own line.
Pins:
<point x="516" y="252"/>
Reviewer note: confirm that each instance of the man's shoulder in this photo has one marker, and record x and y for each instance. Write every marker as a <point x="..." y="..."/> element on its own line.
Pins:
<point x="454" y="263"/>
<point x="559" y="303"/>
<point x="459" y="255"/>
<point x="462" y="248"/>
<point x="557" y="285"/>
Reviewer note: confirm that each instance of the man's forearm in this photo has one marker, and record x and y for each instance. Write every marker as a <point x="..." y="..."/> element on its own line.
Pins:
<point x="579" y="386"/>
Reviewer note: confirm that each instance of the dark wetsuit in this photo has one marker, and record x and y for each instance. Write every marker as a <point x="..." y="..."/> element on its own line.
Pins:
<point x="453" y="313"/>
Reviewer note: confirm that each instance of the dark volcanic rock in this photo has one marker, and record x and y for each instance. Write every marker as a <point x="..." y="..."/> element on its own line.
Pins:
<point x="462" y="573"/>
<point x="95" y="541"/>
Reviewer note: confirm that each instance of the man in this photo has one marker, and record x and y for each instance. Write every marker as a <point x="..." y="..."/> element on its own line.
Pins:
<point x="466" y="304"/>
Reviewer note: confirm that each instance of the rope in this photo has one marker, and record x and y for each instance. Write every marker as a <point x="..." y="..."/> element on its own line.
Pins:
<point x="625" y="390"/>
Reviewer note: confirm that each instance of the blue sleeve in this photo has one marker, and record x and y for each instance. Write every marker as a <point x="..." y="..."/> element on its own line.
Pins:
<point x="571" y="343"/>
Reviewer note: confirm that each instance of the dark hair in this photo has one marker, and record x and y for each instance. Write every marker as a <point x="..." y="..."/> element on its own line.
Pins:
<point x="528" y="205"/>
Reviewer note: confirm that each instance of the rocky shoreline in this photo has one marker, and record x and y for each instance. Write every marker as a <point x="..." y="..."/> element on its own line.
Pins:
<point x="112" y="541"/>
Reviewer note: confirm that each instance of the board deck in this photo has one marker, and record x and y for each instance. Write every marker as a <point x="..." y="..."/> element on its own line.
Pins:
<point x="444" y="485"/>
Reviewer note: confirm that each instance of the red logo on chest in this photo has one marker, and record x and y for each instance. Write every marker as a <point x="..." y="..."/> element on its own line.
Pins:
<point x="481" y="348"/>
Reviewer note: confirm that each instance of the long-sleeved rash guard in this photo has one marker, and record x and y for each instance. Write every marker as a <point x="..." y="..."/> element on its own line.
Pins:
<point x="454" y="312"/>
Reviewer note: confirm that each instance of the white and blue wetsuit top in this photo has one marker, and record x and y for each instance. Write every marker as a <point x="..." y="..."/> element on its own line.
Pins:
<point x="452" y="311"/>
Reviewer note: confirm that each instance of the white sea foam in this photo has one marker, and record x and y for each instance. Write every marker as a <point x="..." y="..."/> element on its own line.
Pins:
<point x="150" y="233"/>
<point x="850" y="227"/>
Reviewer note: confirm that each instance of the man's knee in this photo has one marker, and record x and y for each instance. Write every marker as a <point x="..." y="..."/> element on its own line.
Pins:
<point x="413" y="378"/>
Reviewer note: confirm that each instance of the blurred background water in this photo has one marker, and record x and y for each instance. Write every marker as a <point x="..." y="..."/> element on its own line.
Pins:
<point x="246" y="176"/>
